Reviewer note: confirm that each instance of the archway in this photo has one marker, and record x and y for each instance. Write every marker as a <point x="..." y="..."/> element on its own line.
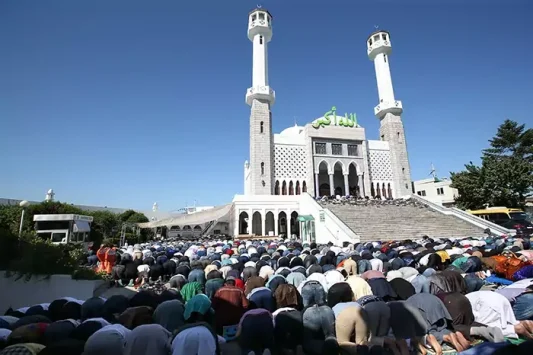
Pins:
<point x="282" y="223"/>
<point x="284" y="188"/>
<point x="389" y="192"/>
<point x="384" y="190"/>
<point x="304" y="187"/>
<point x="257" y="223"/>
<point x="338" y="179"/>
<point x="372" y="190"/>
<point x="323" y="180"/>
<point x="297" y="187"/>
<point x="291" y="188"/>
<point x="353" y="181"/>
<point x="243" y="223"/>
<point x="197" y="229"/>
<point x="276" y="188"/>
<point x="269" y="223"/>
<point x="186" y="228"/>
<point x="294" y="224"/>
<point x="378" y="191"/>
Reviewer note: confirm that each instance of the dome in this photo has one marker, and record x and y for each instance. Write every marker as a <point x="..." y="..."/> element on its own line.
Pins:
<point x="293" y="131"/>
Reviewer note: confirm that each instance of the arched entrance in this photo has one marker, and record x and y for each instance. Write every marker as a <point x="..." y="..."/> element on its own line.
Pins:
<point x="284" y="188"/>
<point x="276" y="188"/>
<point x="338" y="179"/>
<point x="243" y="223"/>
<point x="269" y="223"/>
<point x="297" y="187"/>
<point x="323" y="180"/>
<point x="291" y="188"/>
<point x="304" y="187"/>
<point x="257" y="223"/>
<point x="197" y="230"/>
<point x="295" y="227"/>
<point x="282" y="223"/>
<point x="389" y="190"/>
<point x="353" y="181"/>
<point x="372" y="190"/>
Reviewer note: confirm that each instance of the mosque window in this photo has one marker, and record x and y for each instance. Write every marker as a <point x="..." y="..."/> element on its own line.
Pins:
<point x="384" y="36"/>
<point x="262" y="168"/>
<point x="376" y="38"/>
<point x="320" y="148"/>
<point x="261" y="126"/>
<point x="385" y="58"/>
<point x="336" y="149"/>
<point x="261" y="15"/>
<point x="440" y="191"/>
<point x="421" y="193"/>
<point x="352" y="150"/>
<point x="260" y="39"/>
<point x="370" y="41"/>
<point x="253" y="17"/>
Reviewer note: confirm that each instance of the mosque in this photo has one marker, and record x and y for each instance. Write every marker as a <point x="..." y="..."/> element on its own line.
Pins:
<point x="330" y="156"/>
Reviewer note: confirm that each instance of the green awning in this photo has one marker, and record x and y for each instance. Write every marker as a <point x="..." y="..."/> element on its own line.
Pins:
<point x="305" y="218"/>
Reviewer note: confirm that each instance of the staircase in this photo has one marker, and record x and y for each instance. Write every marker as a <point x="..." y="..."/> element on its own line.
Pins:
<point x="207" y="229"/>
<point x="399" y="219"/>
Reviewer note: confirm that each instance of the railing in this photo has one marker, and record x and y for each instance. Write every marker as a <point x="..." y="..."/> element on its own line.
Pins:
<point x="465" y="216"/>
<point x="344" y="228"/>
<point x="206" y="229"/>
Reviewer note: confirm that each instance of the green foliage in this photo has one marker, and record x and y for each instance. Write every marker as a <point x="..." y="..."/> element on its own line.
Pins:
<point x="33" y="256"/>
<point x="505" y="177"/>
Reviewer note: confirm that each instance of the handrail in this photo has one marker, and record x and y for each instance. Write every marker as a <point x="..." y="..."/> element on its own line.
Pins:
<point x="495" y="229"/>
<point x="344" y="228"/>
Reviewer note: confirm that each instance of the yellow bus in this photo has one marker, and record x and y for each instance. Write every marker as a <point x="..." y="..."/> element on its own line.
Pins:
<point x="499" y="215"/>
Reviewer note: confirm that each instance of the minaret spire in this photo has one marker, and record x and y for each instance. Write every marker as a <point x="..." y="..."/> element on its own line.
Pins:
<point x="260" y="97"/>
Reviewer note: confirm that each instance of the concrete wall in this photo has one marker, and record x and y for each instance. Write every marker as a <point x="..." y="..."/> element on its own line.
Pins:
<point x="39" y="289"/>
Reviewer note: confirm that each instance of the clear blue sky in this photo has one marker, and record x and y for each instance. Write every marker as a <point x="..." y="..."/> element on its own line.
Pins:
<point x="123" y="103"/>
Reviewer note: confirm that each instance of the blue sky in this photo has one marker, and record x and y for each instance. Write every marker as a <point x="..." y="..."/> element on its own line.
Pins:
<point x="123" y="103"/>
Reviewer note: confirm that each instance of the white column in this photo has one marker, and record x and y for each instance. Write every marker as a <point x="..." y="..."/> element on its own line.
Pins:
<point x="331" y="185"/>
<point x="250" y="221"/>
<point x="263" y="223"/>
<point x="276" y="221"/>
<point x="237" y="225"/>
<point x="346" y="185"/>
<point x="317" y="186"/>
<point x="361" y="185"/>
<point x="289" y="224"/>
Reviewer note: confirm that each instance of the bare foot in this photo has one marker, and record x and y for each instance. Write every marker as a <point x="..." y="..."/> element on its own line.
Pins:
<point x="520" y="329"/>
<point x="434" y="344"/>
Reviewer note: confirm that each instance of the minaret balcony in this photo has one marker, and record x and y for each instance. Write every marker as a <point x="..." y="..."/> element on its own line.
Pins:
<point x="264" y="93"/>
<point x="395" y="107"/>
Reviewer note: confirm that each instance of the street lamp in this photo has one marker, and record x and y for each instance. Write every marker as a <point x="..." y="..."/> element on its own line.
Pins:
<point x="22" y="204"/>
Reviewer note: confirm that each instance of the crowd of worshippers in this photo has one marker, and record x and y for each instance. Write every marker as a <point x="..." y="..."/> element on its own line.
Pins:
<point x="429" y="296"/>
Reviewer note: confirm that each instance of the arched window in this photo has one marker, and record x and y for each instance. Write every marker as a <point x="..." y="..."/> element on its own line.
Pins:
<point x="389" y="191"/>
<point x="384" y="191"/>
<point x="276" y="188"/>
<point x="304" y="187"/>
<point x="260" y="39"/>
<point x="261" y="126"/>
<point x="284" y="188"/>
<point x="291" y="188"/>
<point x="372" y="191"/>
<point x="262" y="168"/>
<point x="297" y="187"/>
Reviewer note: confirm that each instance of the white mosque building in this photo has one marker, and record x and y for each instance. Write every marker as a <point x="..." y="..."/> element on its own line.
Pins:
<point x="328" y="157"/>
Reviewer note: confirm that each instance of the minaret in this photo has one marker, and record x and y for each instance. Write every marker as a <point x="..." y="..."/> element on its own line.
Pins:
<point x="389" y="111"/>
<point x="260" y="97"/>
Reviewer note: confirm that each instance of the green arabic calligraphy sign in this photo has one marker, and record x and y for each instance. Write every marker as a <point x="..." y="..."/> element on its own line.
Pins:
<point x="330" y="117"/>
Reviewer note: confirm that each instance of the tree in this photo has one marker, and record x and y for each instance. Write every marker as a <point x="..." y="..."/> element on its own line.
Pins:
<point x="505" y="177"/>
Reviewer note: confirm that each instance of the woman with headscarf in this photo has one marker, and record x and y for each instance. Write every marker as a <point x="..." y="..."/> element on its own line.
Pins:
<point x="359" y="286"/>
<point x="190" y="289"/>
<point x="439" y="322"/>
<point x="150" y="339"/>
<point x="199" y="310"/>
<point x="197" y="338"/>
<point x="494" y="310"/>
<point x="382" y="288"/>
<point x="169" y="314"/>
<point x="252" y="283"/>
<point x="110" y="340"/>
<point x="378" y="313"/>
<point x="135" y="316"/>
<point x="275" y="281"/>
<point x="463" y="319"/>
<point x="403" y="289"/>
<point x="213" y="283"/>
<point x="256" y="331"/>
<point x="287" y="295"/>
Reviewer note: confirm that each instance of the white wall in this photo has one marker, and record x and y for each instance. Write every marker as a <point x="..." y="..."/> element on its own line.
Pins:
<point x="428" y="189"/>
<point x="18" y="294"/>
